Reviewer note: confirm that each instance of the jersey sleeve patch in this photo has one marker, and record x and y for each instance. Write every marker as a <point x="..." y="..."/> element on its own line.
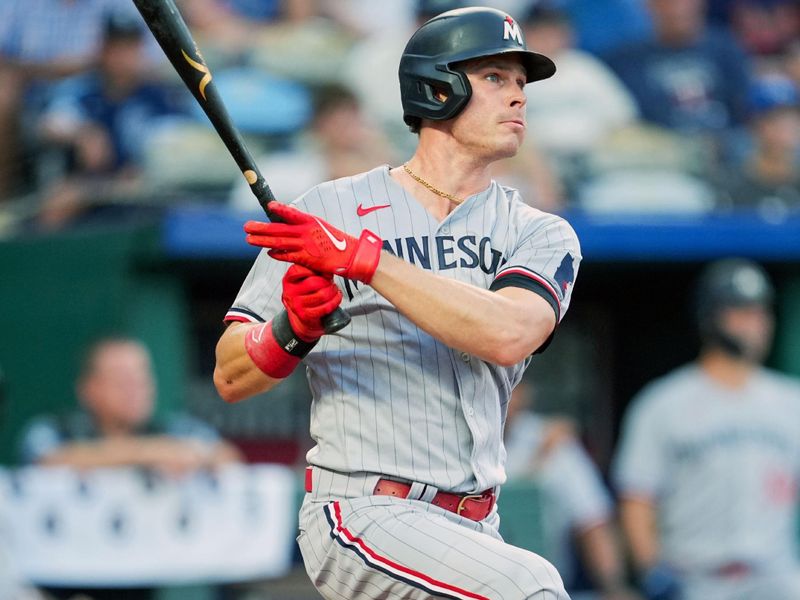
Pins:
<point x="528" y="280"/>
<point x="242" y="315"/>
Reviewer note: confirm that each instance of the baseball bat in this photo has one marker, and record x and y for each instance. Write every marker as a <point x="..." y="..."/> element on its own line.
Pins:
<point x="173" y="35"/>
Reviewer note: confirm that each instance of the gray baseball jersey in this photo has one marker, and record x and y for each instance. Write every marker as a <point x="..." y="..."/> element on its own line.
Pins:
<point x="722" y="466"/>
<point x="387" y="397"/>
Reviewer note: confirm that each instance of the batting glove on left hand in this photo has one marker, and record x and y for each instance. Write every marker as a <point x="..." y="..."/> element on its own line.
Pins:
<point x="308" y="297"/>
<point x="307" y="240"/>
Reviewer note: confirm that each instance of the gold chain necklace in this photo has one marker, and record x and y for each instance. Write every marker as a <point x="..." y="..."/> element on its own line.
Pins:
<point x="436" y="191"/>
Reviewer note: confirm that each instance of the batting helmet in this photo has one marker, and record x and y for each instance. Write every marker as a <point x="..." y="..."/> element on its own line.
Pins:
<point x="426" y="67"/>
<point x="729" y="283"/>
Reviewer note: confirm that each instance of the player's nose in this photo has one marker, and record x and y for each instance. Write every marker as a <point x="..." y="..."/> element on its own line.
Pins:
<point x="517" y="99"/>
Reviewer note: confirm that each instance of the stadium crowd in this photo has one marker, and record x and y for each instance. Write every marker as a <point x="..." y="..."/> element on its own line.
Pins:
<point x="658" y="106"/>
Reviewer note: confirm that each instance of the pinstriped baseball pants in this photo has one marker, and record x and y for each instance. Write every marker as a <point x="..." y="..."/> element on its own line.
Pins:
<point x="359" y="546"/>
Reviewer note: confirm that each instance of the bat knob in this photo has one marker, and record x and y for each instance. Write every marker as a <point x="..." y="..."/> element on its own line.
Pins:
<point x="335" y="321"/>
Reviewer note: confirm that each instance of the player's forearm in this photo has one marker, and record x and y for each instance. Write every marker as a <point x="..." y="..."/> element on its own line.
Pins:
<point x="639" y="524"/>
<point x="492" y="326"/>
<point x="236" y="376"/>
<point x="600" y="552"/>
<point x="111" y="452"/>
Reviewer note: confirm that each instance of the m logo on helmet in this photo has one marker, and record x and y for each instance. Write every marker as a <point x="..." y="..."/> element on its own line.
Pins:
<point x="511" y="31"/>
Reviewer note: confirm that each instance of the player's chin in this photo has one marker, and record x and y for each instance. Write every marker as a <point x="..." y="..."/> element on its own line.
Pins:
<point x="508" y="146"/>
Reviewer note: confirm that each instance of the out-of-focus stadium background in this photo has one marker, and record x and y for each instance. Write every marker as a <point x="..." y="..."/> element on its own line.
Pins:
<point x="669" y="137"/>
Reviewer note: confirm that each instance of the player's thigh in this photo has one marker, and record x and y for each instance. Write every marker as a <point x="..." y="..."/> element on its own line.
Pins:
<point x="379" y="547"/>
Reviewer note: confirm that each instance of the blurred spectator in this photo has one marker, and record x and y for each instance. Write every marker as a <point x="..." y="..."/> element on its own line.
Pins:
<point x="571" y="113"/>
<point x="103" y="119"/>
<point x="602" y="26"/>
<point x="368" y="18"/>
<point x="339" y="143"/>
<point x="266" y="11"/>
<point x="371" y="71"/>
<point x="689" y="77"/>
<point x="533" y="174"/>
<point x="310" y="47"/>
<point x="236" y="33"/>
<point x="769" y="178"/>
<point x="116" y="427"/>
<point x="41" y="41"/>
<point x="709" y="459"/>
<point x="578" y="511"/>
<point x="599" y="26"/>
<point x="764" y="27"/>
<point x="219" y="31"/>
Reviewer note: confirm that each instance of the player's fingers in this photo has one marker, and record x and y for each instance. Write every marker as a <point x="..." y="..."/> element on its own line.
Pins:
<point x="288" y="214"/>
<point x="296" y="256"/>
<point x="319" y="297"/>
<point x="307" y="286"/>
<point x="272" y="229"/>
<point x="297" y="273"/>
<point x="326" y="307"/>
<point x="278" y="243"/>
<point x="300" y="280"/>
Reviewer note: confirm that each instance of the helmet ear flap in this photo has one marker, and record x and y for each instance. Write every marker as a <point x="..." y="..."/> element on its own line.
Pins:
<point x="439" y="95"/>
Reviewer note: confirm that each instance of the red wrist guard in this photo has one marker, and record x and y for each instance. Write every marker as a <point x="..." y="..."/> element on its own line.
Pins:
<point x="366" y="257"/>
<point x="274" y="348"/>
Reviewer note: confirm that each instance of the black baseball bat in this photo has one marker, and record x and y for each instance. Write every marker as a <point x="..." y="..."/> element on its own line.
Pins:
<point x="173" y="35"/>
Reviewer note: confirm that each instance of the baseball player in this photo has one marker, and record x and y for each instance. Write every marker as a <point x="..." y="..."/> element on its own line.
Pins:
<point x="710" y="454"/>
<point x="452" y="283"/>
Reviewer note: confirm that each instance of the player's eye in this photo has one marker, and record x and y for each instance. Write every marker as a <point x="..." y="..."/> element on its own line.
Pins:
<point x="494" y="77"/>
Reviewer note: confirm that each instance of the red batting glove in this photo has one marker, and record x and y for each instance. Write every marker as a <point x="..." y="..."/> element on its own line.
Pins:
<point x="307" y="240"/>
<point x="308" y="297"/>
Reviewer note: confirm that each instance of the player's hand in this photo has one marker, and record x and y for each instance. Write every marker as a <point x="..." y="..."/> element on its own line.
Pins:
<point x="660" y="582"/>
<point x="308" y="297"/>
<point x="307" y="240"/>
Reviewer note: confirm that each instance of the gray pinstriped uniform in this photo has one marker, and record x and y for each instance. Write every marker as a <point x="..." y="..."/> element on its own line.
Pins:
<point x="389" y="399"/>
<point x="724" y="479"/>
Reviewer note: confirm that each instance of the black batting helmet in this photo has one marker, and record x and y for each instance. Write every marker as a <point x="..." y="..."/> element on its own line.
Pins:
<point x="732" y="282"/>
<point x="729" y="283"/>
<point x="426" y="66"/>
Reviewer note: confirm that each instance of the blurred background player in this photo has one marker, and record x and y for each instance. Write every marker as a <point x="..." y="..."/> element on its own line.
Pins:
<point x="578" y="512"/>
<point x="708" y="462"/>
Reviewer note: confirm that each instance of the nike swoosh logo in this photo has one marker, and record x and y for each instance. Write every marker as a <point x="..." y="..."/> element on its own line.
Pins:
<point x="361" y="211"/>
<point x="340" y="245"/>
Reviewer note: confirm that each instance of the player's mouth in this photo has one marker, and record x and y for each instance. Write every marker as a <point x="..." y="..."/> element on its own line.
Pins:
<point x="515" y="123"/>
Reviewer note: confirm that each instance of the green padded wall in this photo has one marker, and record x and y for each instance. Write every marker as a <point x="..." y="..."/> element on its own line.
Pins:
<point x="787" y="342"/>
<point x="59" y="292"/>
<point x="521" y="516"/>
